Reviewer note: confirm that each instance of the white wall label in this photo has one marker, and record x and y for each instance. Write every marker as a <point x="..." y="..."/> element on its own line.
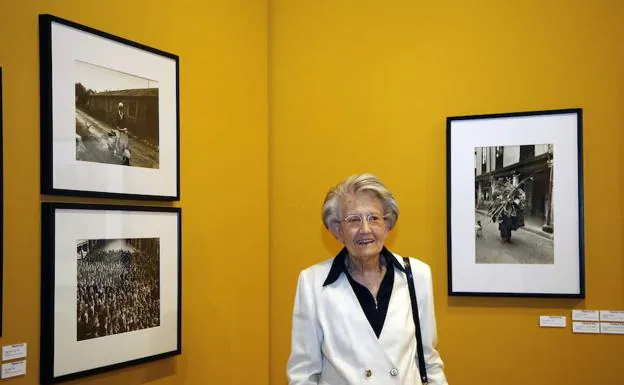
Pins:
<point x="611" y="328"/>
<point x="612" y="315"/>
<point x="11" y="352"/>
<point x="586" y="327"/>
<point x="13" y="369"/>
<point x="551" y="321"/>
<point x="585" y="315"/>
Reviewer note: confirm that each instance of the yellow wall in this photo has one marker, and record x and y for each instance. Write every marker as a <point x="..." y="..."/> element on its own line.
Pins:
<point x="224" y="183"/>
<point x="352" y="86"/>
<point x="367" y="85"/>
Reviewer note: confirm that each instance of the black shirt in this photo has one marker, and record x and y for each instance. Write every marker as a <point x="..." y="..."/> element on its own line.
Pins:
<point x="374" y="310"/>
<point x="121" y="120"/>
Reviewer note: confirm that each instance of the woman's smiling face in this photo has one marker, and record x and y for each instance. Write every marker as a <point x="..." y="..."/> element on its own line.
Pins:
<point x="363" y="229"/>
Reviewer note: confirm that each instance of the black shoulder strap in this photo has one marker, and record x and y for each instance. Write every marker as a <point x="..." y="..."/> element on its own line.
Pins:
<point x="419" y="347"/>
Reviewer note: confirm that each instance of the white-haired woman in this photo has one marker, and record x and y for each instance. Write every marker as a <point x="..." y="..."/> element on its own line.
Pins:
<point x="354" y="319"/>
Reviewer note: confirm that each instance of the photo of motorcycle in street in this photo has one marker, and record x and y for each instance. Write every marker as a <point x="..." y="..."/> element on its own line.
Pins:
<point x="116" y="117"/>
<point x="514" y="211"/>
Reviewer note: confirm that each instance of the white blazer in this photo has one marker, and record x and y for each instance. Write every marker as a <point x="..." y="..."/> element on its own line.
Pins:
<point x="334" y="344"/>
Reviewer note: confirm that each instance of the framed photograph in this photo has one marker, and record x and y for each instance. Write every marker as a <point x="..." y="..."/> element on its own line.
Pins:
<point x="110" y="291"/>
<point x="515" y="204"/>
<point x="110" y="124"/>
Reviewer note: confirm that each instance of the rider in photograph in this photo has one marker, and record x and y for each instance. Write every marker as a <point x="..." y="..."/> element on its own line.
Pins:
<point x="121" y="141"/>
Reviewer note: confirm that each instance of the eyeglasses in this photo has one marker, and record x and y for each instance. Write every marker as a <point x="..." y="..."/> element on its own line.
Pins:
<point x="354" y="221"/>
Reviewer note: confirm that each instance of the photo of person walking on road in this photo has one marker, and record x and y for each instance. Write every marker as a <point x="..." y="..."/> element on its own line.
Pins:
<point x="513" y="205"/>
<point x="121" y="142"/>
<point x="117" y="118"/>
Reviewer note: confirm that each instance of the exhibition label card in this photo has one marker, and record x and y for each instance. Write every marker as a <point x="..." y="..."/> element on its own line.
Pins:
<point x="612" y="315"/>
<point x="611" y="328"/>
<point x="586" y="327"/>
<point x="11" y="352"/>
<point x="585" y="315"/>
<point x="13" y="369"/>
<point x="551" y="321"/>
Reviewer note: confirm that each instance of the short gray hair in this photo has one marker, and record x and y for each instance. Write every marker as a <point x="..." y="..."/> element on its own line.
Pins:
<point x="353" y="185"/>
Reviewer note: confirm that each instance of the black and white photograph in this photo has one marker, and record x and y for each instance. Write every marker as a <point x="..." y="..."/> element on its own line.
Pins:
<point x="116" y="117"/>
<point x="118" y="286"/>
<point x="515" y="204"/>
<point x="110" y="287"/>
<point x="110" y="115"/>
<point x="513" y="216"/>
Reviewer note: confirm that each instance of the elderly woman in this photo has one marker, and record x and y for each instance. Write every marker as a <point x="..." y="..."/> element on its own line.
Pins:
<point x="355" y="320"/>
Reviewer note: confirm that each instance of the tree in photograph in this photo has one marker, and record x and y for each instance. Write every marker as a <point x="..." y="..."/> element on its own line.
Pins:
<point x="81" y="94"/>
<point x="508" y="200"/>
<point x="507" y="206"/>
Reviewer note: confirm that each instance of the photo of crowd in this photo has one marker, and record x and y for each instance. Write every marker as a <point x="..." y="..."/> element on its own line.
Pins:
<point x="118" y="287"/>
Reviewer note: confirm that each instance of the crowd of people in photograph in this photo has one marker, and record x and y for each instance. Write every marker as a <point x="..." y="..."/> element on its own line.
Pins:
<point x="118" y="292"/>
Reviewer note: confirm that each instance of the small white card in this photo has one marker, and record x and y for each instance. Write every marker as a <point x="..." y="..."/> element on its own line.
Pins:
<point x="552" y="321"/>
<point x="13" y="369"/>
<point x="585" y="315"/>
<point x="612" y="315"/>
<point x="11" y="352"/>
<point x="586" y="327"/>
<point x="611" y="328"/>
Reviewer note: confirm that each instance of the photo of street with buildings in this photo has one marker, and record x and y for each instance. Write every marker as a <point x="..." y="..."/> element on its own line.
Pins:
<point x="116" y="117"/>
<point x="514" y="210"/>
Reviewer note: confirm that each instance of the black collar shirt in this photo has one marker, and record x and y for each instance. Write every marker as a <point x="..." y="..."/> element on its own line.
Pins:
<point x="375" y="309"/>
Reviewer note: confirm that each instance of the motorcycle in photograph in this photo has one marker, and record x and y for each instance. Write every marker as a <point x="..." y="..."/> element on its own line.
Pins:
<point x="507" y="208"/>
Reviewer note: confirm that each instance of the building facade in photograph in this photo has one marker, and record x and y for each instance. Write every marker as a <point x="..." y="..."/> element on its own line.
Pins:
<point x="148" y="246"/>
<point x="140" y="105"/>
<point x="528" y="165"/>
<point x="82" y="249"/>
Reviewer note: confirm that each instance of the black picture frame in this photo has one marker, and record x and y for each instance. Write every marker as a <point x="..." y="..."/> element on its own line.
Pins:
<point x="110" y="115"/>
<point x="114" y="254"/>
<point x="505" y="174"/>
